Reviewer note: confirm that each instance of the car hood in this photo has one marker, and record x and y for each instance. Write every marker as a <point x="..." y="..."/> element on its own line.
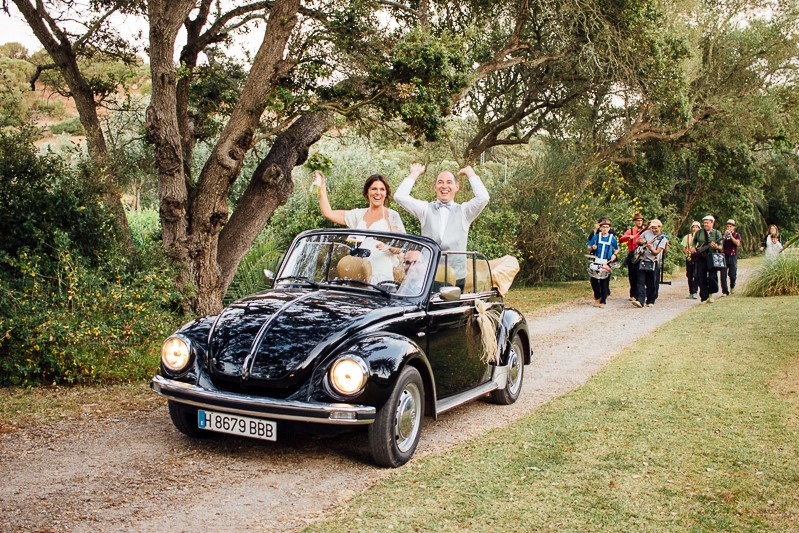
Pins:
<point x="274" y="338"/>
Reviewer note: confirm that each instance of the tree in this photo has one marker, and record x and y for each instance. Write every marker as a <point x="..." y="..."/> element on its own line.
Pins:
<point x="603" y="76"/>
<point x="69" y="33"/>
<point x="416" y="63"/>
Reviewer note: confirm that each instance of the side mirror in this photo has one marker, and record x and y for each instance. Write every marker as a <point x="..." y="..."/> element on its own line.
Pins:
<point x="450" y="294"/>
<point x="270" y="277"/>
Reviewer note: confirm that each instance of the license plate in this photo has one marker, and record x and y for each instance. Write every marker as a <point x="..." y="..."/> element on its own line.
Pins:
<point x="244" y="426"/>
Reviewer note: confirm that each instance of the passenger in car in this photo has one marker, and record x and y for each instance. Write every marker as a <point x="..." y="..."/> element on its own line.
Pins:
<point x="377" y="217"/>
<point x="445" y="221"/>
<point x="414" y="267"/>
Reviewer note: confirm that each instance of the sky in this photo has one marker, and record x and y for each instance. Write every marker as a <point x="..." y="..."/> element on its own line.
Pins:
<point x="13" y="28"/>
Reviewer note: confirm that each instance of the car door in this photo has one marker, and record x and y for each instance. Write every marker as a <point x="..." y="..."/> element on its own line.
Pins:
<point x="454" y="340"/>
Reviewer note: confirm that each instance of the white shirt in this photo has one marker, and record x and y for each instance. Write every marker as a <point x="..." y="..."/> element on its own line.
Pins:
<point x="418" y="208"/>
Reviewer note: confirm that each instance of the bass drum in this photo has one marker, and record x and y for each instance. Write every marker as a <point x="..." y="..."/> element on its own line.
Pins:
<point x="599" y="269"/>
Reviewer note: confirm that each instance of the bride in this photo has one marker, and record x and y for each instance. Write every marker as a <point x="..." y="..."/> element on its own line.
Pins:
<point x="376" y="217"/>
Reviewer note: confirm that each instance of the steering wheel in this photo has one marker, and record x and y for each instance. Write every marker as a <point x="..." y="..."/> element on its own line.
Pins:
<point x="391" y="283"/>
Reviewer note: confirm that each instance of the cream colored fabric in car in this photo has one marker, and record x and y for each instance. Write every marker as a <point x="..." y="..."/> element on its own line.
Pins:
<point x="503" y="270"/>
<point x="354" y="268"/>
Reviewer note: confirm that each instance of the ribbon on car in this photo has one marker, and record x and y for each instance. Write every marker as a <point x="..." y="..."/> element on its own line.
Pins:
<point x="487" y="322"/>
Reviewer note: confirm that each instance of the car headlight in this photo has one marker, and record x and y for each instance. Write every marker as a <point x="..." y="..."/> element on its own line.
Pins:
<point x="348" y="375"/>
<point x="175" y="354"/>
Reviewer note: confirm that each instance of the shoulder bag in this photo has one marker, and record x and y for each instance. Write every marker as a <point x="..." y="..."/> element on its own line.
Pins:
<point x="646" y="265"/>
<point x="717" y="261"/>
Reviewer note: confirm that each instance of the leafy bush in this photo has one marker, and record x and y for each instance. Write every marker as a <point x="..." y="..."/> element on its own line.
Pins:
<point x="73" y="307"/>
<point x="55" y="109"/>
<point x="250" y="275"/>
<point x="777" y="277"/>
<point x="69" y="322"/>
<point x="40" y="197"/>
<point x="70" y="126"/>
<point x="145" y="226"/>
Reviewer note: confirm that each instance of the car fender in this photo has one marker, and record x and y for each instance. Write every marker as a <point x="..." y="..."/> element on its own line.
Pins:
<point x="385" y="355"/>
<point x="514" y="323"/>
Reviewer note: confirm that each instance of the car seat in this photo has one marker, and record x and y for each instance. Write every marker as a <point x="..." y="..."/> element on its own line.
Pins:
<point x="358" y="268"/>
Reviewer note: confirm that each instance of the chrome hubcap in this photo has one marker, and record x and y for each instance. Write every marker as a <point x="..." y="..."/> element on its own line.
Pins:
<point x="514" y="371"/>
<point x="407" y="417"/>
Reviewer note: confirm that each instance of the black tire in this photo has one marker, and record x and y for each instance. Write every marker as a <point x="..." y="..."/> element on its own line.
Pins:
<point x="185" y="419"/>
<point x="510" y="393"/>
<point x="395" y="433"/>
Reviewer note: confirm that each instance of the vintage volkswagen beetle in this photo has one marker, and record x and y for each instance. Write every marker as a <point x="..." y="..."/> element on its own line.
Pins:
<point x="335" y="343"/>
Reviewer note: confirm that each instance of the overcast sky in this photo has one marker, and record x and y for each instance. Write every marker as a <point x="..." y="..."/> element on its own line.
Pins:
<point x="13" y="28"/>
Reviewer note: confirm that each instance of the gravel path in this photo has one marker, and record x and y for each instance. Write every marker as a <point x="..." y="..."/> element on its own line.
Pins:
<point x="134" y="472"/>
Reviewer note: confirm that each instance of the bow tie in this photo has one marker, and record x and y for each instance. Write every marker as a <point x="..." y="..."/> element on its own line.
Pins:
<point x="439" y="204"/>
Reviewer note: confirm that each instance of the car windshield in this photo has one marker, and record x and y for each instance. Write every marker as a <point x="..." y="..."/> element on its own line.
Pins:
<point x="389" y="264"/>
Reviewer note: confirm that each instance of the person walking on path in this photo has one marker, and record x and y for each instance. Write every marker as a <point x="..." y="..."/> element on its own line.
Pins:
<point x="603" y="246"/>
<point x="631" y="237"/>
<point x="732" y="240"/>
<point x="707" y="240"/>
<point x="772" y="242"/>
<point x="649" y="265"/>
<point x="444" y="220"/>
<point x="690" y="265"/>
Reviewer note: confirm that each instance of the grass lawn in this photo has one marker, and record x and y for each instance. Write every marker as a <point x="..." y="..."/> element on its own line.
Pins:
<point x="537" y="297"/>
<point x="695" y="429"/>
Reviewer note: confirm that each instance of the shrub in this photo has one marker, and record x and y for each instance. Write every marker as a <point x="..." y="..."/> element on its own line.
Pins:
<point x="73" y="307"/>
<point x="73" y="323"/>
<point x="40" y="196"/>
<point x="70" y="126"/>
<point x="250" y="275"/>
<point x="145" y="226"/>
<point x="777" y="277"/>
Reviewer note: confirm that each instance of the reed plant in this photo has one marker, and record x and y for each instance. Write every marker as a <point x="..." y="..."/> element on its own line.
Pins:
<point x="777" y="277"/>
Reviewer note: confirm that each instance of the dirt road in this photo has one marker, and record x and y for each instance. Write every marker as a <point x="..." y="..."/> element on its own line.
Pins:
<point x="134" y="471"/>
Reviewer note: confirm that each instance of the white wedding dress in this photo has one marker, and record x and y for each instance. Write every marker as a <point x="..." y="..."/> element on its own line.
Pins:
<point x="383" y="261"/>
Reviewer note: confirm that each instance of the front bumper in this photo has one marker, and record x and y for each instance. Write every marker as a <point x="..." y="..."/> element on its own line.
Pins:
<point x="257" y="406"/>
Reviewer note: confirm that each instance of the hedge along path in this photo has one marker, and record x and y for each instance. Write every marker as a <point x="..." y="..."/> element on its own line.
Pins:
<point x="133" y="471"/>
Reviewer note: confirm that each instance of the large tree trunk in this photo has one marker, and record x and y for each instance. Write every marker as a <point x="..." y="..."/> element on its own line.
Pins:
<point x="209" y="203"/>
<point x="269" y="188"/>
<point x="192" y="219"/>
<point x="166" y="17"/>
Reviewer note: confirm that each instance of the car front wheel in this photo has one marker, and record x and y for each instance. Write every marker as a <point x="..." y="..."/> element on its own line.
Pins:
<point x="185" y="419"/>
<point x="510" y="393"/>
<point x="395" y="433"/>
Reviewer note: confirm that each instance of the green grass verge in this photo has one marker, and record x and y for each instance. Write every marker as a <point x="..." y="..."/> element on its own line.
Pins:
<point x="695" y="429"/>
<point x="537" y="297"/>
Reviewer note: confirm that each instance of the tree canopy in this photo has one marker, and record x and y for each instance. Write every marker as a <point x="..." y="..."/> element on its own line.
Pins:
<point x="652" y="85"/>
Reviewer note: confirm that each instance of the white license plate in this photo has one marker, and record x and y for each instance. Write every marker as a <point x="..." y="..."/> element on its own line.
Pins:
<point x="237" y="425"/>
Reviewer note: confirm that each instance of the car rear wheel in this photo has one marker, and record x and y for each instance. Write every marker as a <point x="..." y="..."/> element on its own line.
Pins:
<point x="395" y="433"/>
<point x="510" y="393"/>
<point x="185" y="419"/>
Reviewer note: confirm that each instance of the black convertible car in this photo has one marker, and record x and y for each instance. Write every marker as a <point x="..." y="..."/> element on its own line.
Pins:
<point x="374" y="328"/>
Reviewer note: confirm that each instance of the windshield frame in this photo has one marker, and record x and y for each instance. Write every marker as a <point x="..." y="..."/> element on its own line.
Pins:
<point x="339" y="236"/>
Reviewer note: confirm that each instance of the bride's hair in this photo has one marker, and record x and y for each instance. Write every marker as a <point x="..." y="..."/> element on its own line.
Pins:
<point x="373" y="178"/>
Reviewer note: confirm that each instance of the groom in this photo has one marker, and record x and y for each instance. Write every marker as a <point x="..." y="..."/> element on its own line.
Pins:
<point x="444" y="220"/>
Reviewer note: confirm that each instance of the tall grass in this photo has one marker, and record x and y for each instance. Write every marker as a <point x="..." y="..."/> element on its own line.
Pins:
<point x="777" y="277"/>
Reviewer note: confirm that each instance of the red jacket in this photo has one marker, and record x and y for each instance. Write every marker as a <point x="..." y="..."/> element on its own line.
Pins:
<point x="631" y="237"/>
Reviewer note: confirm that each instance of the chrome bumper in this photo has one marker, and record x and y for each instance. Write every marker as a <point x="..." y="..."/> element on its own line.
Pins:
<point x="320" y="413"/>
